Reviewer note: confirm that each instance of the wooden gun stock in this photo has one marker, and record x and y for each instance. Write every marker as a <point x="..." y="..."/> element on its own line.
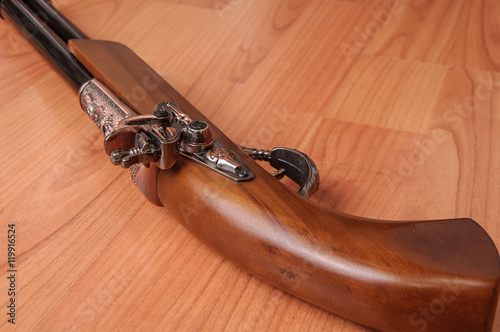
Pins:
<point x="377" y="273"/>
<point x="393" y="276"/>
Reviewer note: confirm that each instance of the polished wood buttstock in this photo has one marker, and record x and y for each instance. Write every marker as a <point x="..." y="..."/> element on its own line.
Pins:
<point x="438" y="275"/>
<point x="393" y="276"/>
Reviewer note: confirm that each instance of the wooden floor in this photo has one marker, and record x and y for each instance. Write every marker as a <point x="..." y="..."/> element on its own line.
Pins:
<point x="397" y="101"/>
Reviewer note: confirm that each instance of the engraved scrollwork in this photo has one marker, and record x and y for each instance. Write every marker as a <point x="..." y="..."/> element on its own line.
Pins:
<point x="134" y="169"/>
<point x="102" y="107"/>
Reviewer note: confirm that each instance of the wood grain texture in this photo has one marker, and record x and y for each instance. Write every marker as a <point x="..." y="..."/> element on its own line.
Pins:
<point x="330" y="259"/>
<point x="455" y="33"/>
<point x="399" y="130"/>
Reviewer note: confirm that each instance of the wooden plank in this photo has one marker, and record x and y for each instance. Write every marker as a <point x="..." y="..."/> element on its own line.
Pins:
<point x="460" y="33"/>
<point x="404" y="99"/>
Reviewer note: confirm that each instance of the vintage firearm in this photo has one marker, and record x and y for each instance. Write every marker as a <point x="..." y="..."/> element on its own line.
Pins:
<point x="378" y="273"/>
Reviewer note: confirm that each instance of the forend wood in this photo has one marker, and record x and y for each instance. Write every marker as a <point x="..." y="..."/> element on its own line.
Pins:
<point x="378" y="273"/>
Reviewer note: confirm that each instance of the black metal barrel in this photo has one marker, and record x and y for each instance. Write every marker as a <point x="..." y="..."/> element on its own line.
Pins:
<point x="43" y="24"/>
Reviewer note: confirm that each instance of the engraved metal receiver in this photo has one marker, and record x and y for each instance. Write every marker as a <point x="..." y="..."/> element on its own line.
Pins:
<point x="159" y="138"/>
<point x="156" y="138"/>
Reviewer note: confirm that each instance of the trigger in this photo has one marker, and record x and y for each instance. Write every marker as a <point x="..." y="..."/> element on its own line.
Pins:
<point x="292" y="163"/>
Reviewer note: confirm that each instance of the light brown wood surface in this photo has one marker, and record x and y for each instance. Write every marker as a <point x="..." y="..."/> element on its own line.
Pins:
<point x="396" y="101"/>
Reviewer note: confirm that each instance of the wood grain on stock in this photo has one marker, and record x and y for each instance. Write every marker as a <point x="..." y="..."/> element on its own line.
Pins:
<point x="381" y="122"/>
<point x="336" y="261"/>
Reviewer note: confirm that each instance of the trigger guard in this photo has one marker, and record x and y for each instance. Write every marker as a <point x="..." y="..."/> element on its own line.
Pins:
<point x="298" y="167"/>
